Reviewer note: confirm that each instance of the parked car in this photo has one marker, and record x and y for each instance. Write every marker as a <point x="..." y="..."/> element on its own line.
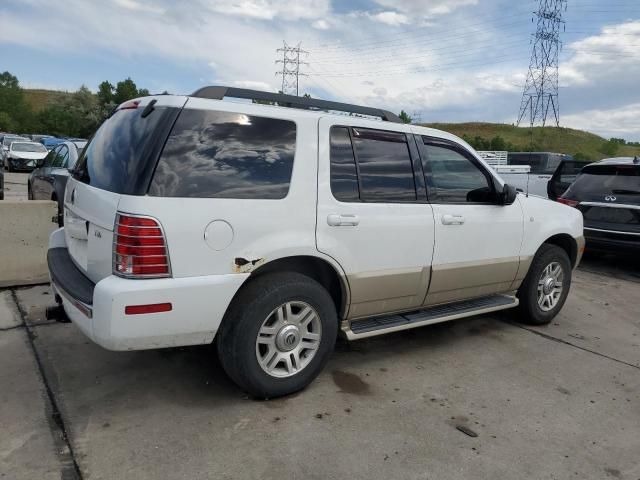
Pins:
<point x="49" y="179"/>
<point x="6" y="141"/>
<point x="270" y="228"/>
<point x="530" y="172"/>
<point x="37" y="137"/>
<point x="608" y="195"/>
<point x="23" y="156"/>
<point x="50" y="142"/>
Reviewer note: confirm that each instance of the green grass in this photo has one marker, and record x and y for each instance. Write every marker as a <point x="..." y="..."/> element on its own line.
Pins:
<point x="38" y="99"/>
<point x="551" y="139"/>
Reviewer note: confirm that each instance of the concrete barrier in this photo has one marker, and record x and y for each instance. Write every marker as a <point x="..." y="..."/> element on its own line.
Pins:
<point x="24" y="236"/>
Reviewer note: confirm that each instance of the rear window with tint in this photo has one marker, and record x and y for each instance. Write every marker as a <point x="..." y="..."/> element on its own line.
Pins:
<point x="226" y="155"/>
<point x="122" y="153"/>
<point x="597" y="181"/>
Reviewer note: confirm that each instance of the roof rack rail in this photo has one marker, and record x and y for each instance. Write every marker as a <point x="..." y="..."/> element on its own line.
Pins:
<point x="220" y="92"/>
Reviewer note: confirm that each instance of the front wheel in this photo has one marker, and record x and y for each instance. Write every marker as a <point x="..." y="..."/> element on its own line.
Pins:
<point x="278" y="334"/>
<point x="546" y="286"/>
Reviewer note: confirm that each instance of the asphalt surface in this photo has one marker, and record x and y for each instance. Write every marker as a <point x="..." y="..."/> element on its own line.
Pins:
<point x="477" y="398"/>
<point x="481" y="398"/>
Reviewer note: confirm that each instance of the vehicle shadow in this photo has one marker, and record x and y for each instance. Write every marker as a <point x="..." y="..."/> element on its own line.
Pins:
<point x="624" y="267"/>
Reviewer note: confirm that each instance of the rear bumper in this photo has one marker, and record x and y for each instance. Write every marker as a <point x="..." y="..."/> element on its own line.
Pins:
<point x="611" y="241"/>
<point x="198" y="305"/>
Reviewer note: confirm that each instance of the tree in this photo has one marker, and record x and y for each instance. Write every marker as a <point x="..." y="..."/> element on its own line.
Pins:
<point x="498" y="143"/>
<point x="7" y="124"/>
<point x="404" y="116"/>
<point x="12" y="105"/>
<point x="610" y="147"/>
<point x="105" y="93"/>
<point x="125" y="90"/>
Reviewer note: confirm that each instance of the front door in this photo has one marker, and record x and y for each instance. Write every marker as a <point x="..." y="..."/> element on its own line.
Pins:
<point x="373" y="215"/>
<point x="477" y="241"/>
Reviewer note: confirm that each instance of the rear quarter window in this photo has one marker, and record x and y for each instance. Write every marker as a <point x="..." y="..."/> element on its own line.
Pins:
<point x="122" y="153"/>
<point x="212" y="154"/>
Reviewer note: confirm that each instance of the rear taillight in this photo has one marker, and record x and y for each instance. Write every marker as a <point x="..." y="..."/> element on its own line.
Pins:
<point x="566" y="201"/>
<point x="139" y="248"/>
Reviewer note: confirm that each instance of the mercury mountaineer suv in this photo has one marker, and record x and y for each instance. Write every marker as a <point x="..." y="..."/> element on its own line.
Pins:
<point x="270" y="227"/>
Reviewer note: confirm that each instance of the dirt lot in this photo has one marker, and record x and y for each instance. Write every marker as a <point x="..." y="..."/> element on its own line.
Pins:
<point x="558" y="402"/>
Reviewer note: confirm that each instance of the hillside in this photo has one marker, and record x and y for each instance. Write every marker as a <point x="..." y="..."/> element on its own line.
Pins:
<point x="562" y="140"/>
<point x="38" y="99"/>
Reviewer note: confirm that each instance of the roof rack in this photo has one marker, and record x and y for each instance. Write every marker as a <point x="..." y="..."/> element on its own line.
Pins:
<point x="220" y="92"/>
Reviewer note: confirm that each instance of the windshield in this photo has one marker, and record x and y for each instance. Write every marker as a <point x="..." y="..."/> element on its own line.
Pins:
<point x="545" y="163"/>
<point x="597" y="181"/>
<point x="27" y="147"/>
<point x="9" y="140"/>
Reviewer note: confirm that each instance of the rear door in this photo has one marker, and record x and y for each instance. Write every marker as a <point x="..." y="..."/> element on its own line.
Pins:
<point x="373" y="216"/>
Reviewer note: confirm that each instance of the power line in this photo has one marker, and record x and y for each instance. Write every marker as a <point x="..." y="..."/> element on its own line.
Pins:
<point x="541" y="87"/>
<point x="290" y="67"/>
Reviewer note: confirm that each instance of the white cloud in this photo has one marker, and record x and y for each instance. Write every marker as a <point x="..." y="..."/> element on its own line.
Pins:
<point x="615" y="122"/>
<point x="390" y="18"/>
<point x="254" y="85"/>
<point x="321" y="24"/>
<point x="426" y="8"/>
<point x="269" y="9"/>
<point x="139" y="6"/>
<point x="611" y="53"/>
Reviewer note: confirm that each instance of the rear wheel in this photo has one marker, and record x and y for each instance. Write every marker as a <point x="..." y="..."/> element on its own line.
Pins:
<point x="29" y="193"/>
<point x="546" y="286"/>
<point x="278" y="334"/>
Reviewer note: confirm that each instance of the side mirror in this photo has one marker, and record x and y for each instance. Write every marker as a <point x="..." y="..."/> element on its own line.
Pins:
<point x="508" y="195"/>
<point x="40" y="163"/>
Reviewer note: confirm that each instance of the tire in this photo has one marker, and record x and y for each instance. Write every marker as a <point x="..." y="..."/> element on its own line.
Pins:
<point x="540" y="303"/>
<point x="260" y="307"/>
<point x="29" y="194"/>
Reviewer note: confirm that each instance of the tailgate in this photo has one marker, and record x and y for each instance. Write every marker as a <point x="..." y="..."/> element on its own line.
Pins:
<point x="89" y="216"/>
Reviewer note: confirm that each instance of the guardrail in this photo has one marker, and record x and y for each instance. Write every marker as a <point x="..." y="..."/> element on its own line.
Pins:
<point x="25" y="227"/>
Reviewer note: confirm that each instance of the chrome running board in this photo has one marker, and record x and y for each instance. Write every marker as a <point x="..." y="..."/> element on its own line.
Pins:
<point x="369" y="327"/>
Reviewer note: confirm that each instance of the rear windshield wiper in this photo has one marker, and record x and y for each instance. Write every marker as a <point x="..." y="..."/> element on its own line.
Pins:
<point x="626" y="192"/>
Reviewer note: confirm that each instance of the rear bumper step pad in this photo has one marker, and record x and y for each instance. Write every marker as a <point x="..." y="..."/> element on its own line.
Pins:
<point x="378" y="325"/>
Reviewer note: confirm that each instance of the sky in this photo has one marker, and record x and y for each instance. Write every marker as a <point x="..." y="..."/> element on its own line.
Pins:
<point x="441" y="60"/>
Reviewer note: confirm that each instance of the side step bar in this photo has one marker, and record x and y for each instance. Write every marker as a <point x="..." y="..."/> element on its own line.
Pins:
<point x="369" y="327"/>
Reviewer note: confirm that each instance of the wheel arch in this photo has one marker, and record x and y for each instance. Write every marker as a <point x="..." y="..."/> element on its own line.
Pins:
<point x="317" y="268"/>
<point x="567" y="243"/>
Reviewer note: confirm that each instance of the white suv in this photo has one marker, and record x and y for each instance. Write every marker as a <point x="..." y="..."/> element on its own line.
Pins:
<point x="270" y="226"/>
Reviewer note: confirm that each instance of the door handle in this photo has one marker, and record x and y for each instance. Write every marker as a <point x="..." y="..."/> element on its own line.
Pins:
<point x="342" y="220"/>
<point x="452" y="219"/>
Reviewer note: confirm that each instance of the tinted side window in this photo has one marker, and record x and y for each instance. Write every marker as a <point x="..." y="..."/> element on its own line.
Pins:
<point x="226" y="155"/>
<point x="455" y="178"/>
<point x="59" y="157"/>
<point x="385" y="168"/>
<point x="51" y="156"/>
<point x="344" y="176"/>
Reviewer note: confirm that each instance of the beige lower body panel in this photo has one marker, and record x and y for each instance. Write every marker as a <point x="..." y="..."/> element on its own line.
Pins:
<point x="378" y="292"/>
<point x="459" y="281"/>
